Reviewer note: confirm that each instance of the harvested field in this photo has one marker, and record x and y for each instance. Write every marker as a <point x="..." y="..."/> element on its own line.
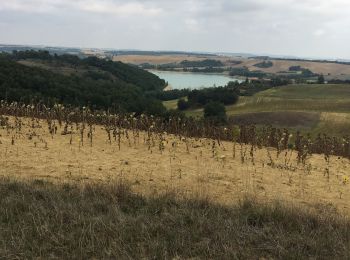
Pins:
<point x="222" y="173"/>
<point x="281" y="118"/>
<point x="157" y="59"/>
<point x="332" y="69"/>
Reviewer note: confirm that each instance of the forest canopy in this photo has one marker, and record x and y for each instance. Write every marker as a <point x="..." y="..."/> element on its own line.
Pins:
<point x="103" y="85"/>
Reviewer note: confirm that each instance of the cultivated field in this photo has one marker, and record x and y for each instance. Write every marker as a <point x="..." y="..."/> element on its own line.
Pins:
<point x="284" y="65"/>
<point x="157" y="59"/>
<point x="312" y="108"/>
<point x="331" y="69"/>
<point x="223" y="173"/>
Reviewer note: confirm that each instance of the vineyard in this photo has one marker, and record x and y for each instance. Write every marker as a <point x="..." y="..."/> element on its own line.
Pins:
<point x="155" y="155"/>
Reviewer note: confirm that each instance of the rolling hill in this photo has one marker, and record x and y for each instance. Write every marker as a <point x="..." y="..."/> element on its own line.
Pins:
<point x="311" y="108"/>
<point x="38" y="76"/>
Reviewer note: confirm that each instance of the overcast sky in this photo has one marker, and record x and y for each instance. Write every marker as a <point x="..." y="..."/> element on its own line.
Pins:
<point x="309" y="28"/>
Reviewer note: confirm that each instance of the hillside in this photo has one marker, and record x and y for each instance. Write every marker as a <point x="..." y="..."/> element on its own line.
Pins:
<point x="124" y="72"/>
<point x="77" y="182"/>
<point x="73" y="177"/>
<point x="38" y="76"/>
<point x="334" y="70"/>
<point x="312" y="108"/>
<point x="152" y="161"/>
<point x="276" y="66"/>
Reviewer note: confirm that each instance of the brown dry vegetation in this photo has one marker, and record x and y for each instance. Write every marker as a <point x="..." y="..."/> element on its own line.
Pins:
<point x="278" y="65"/>
<point x="224" y="173"/>
<point x="39" y="220"/>
<point x="72" y="194"/>
<point x="284" y="65"/>
<point x="157" y="59"/>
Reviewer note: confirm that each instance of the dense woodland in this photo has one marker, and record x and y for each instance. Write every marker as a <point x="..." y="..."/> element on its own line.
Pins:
<point x="203" y="63"/>
<point x="104" y="84"/>
<point x="245" y="72"/>
<point x="124" y="72"/>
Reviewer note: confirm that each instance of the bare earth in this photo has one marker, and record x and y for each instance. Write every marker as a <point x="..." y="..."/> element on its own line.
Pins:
<point x="200" y="171"/>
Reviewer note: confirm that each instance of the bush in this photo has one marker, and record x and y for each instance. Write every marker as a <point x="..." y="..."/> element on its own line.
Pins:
<point x="226" y="95"/>
<point x="216" y="112"/>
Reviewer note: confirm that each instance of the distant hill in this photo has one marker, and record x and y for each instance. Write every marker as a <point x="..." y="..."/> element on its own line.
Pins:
<point x="31" y="75"/>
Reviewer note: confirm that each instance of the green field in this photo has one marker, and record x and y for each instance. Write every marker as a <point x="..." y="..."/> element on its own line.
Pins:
<point x="171" y="104"/>
<point x="313" y="108"/>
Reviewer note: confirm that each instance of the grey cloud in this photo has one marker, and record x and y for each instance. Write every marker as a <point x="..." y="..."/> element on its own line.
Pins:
<point x="295" y="27"/>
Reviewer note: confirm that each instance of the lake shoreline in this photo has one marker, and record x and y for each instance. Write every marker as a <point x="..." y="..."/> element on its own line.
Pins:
<point x="194" y="80"/>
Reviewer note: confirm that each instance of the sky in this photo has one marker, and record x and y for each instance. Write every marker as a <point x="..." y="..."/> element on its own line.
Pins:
<point x="303" y="28"/>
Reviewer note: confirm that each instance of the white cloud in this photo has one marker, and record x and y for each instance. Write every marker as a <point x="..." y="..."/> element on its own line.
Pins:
<point x="263" y="26"/>
<point x="34" y="6"/>
<point x="94" y="6"/>
<point x="193" y="25"/>
<point x="125" y="9"/>
<point x="319" y="32"/>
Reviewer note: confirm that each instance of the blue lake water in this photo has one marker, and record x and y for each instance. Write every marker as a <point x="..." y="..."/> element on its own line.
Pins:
<point x="180" y="80"/>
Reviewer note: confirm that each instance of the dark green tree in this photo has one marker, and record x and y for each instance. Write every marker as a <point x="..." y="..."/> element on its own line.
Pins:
<point x="320" y="79"/>
<point x="216" y="112"/>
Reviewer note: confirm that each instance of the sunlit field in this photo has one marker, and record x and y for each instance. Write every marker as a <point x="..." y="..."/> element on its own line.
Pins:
<point x="83" y="185"/>
<point x="310" y="108"/>
<point x="158" y="162"/>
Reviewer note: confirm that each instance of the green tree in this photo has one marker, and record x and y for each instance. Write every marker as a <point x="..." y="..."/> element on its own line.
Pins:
<point x="216" y="112"/>
<point x="320" y="79"/>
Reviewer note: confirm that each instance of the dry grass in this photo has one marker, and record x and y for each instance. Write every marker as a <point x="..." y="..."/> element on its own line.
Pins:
<point x="164" y="198"/>
<point x="40" y="220"/>
<point x="284" y="65"/>
<point x="187" y="166"/>
<point x="157" y="59"/>
<point x="278" y="65"/>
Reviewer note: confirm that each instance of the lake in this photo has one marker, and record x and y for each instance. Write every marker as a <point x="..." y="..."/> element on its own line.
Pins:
<point x="180" y="80"/>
